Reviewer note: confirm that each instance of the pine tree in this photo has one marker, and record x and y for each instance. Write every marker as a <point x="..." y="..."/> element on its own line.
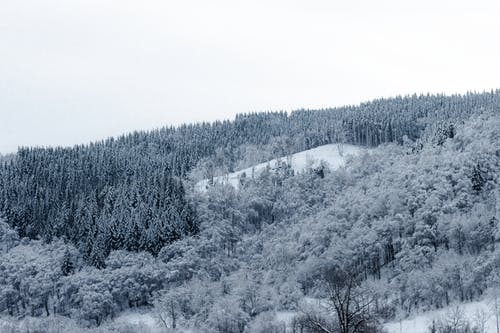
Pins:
<point x="67" y="266"/>
<point x="477" y="179"/>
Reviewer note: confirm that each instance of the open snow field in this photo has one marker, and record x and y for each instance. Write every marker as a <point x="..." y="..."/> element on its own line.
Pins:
<point x="420" y="323"/>
<point x="333" y="155"/>
<point x="140" y="318"/>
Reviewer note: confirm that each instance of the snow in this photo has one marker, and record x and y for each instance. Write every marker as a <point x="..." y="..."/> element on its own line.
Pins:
<point x="285" y="317"/>
<point x="144" y="318"/>
<point x="416" y="324"/>
<point x="420" y="323"/>
<point x="334" y="155"/>
<point x="140" y="318"/>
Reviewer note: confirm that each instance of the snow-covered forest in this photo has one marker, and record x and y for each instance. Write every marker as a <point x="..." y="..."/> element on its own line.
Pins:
<point x="407" y="224"/>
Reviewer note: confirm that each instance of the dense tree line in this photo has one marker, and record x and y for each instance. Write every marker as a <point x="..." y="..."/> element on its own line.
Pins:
<point x="127" y="193"/>
<point x="96" y="199"/>
<point x="368" y="124"/>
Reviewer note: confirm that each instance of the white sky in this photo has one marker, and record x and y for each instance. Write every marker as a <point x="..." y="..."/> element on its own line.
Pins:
<point x="72" y="71"/>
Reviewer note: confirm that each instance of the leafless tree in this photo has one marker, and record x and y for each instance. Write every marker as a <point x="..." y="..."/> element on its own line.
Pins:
<point x="350" y="305"/>
<point x="167" y="312"/>
<point x="480" y="319"/>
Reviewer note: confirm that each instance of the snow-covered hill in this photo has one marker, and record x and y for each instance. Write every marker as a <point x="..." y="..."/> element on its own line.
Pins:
<point x="333" y="155"/>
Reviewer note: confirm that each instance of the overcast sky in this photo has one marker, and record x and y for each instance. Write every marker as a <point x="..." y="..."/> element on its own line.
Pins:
<point x="72" y="71"/>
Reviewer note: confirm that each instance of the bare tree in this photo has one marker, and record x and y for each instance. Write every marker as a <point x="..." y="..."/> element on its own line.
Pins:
<point x="455" y="320"/>
<point x="494" y="302"/>
<point x="350" y="302"/>
<point x="495" y="307"/>
<point x="480" y="319"/>
<point x="167" y="311"/>
<point x="340" y="138"/>
<point x="351" y="305"/>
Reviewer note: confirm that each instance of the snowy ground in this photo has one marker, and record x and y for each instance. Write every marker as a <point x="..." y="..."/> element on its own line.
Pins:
<point x="332" y="154"/>
<point x="469" y="311"/>
<point x="419" y="323"/>
<point x="145" y="320"/>
<point x="474" y="313"/>
<point x="141" y="318"/>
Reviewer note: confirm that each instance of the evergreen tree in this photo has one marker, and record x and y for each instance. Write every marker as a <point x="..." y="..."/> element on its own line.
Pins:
<point x="67" y="265"/>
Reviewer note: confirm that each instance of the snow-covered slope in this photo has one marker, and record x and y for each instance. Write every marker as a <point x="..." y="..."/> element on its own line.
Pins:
<point x="478" y="314"/>
<point x="474" y="313"/>
<point x="334" y="155"/>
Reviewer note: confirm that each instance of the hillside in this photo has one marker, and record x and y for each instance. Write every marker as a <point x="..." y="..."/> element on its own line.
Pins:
<point x="128" y="193"/>
<point x="96" y="237"/>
